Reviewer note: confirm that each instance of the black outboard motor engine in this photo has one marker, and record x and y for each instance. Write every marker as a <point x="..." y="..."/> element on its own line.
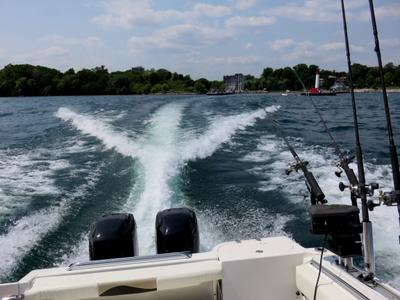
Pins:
<point x="113" y="236"/>
<point x="177" y="231"/>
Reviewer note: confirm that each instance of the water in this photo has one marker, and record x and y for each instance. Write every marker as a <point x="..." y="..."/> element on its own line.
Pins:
<point x="65" y="161"/>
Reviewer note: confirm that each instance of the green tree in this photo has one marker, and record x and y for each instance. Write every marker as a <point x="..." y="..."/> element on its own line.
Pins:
<point x="199" y="87"/>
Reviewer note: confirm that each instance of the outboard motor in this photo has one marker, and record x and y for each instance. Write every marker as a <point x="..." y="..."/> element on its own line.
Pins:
<point x="177" y="231"/>
<point x="113" y="236"/>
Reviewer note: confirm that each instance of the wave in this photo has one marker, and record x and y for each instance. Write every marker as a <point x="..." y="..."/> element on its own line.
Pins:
<point x="160" y="154"/>
<point x="158" y="164"/>
<point x="29" y="230"/>
<point x="220" y="131"/>
<point x="6" y="114"/>
<point x="27" y="175"/>
<point x="220" y="226"/>
<point x="272" y="157"/>
<point x="26" y="233"/>
<point x="101" y="130"/>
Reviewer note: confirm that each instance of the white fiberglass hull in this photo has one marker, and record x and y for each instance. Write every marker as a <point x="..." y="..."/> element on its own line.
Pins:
<point x="271" y="268"/>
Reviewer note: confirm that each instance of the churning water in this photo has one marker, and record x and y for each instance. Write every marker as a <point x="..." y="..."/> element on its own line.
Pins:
<point x="65" y="161"/>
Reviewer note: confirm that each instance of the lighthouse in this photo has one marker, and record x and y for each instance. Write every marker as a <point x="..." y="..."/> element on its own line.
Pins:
<point x="315" y="90"/>
<point x="317" y="80"/>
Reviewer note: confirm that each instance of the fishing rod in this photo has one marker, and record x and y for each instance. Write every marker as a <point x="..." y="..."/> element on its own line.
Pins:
<point x="344" y="162"/>
<point x="388" y="198"/>
<point x="316" y="194"/>
<point x="367" y="238"/>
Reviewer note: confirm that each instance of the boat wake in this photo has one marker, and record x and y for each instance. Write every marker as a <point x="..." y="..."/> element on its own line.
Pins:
<point x="27" y="181"/>
<point x="159" y="156"/>
<point x="272" y="158"/>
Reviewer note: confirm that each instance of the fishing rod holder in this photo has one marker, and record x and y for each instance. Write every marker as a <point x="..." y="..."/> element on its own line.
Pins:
<point x="345" y="161"/>
<point x="295" y="167"/>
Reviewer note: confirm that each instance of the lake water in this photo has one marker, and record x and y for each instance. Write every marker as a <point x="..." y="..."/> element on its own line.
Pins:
<point x="65" y="161"/>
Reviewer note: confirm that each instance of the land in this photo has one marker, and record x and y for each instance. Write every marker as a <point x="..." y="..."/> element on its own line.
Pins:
<point x="389" y="90"/>
<point x="29" y="80"/>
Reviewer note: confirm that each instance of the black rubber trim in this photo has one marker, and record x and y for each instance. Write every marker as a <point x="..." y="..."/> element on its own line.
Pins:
<point x="125" y="290"/>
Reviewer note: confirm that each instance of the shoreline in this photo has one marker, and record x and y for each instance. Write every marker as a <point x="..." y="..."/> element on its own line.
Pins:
<point x="369" y="90"/>
<point x="259" y="92"/>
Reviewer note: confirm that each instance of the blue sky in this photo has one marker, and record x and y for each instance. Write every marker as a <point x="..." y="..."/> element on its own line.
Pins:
<point x="202" y="38"/>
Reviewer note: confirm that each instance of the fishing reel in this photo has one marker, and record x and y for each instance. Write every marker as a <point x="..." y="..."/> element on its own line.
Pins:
<point x="385" y="198"/>
<point x="388" y="198"/>
<point x="369" y="188"/>
<point x="295" y="167"/>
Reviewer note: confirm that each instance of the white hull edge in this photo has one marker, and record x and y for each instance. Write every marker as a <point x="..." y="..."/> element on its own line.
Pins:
<point x="270" y="268"/>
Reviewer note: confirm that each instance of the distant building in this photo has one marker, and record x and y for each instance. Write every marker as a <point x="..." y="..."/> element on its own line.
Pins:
<point x="342" y="79"/>
<point x="338" y="87"/>
<point x="234" y="83"/>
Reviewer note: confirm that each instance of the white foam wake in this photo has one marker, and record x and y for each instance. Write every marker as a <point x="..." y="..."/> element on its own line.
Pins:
<point x="160" y="154"/>
<point x="273" y="157"/>
<point x="159" y="163"/>
<point x="101" y="130"/>
<point x="31" y="174"/>
<point x="220" y="226"/>
<point x="221" y="131"/>
<point x="23" y="175"/>
<point x="26" y="233"/>
<point x="29" y="230"/>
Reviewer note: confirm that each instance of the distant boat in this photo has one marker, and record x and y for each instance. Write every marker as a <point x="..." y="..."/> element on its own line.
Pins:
<point x="219" y="93"/>
<point x="319" y="94"/>
<point x="341" y="92"/>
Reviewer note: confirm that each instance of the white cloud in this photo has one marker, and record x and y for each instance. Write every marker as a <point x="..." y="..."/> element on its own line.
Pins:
<point x="305" y="50"/>
<point x="390" y="43"/>
<point x="307" y="11"/>
<point x="302" y="51"/>
<point x="282" y="44"/>
<point x="89" y="41"/>
<point x="330" y="11"/>
<point x="314" y="10"/>
<point x="382" y="12"/>
<point x="248" y="45"/>
<point x="332" y="46"/>
<point x="179" y="37"/>
<point x="39" y="56"/>
<point x="209" y="10"/>
<point x="335" y="46"/>
<point x="127" y="13"/>
<point x="239" y="21"/>
<point x="229" y="60"/>
<point x="244" y="4"/>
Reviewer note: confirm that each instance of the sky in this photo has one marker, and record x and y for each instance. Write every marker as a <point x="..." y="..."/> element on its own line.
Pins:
<point x="205" y="38"/>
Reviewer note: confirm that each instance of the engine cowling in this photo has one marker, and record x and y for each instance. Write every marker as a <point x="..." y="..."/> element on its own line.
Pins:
<point x="177" y="231"/>
<point x="113" y="236"/>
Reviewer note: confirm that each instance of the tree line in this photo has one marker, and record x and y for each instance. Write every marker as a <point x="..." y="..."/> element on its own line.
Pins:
<point x="28" y="80"/>
<point x="285" y="79"/>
